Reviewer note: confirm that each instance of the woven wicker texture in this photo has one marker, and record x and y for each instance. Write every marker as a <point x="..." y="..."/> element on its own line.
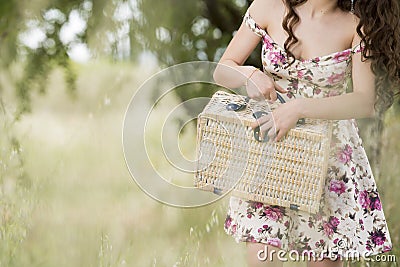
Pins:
<point x="289" y="173"/>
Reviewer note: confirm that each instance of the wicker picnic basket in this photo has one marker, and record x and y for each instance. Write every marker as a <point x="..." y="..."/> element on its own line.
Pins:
<point x="289" y="173"/>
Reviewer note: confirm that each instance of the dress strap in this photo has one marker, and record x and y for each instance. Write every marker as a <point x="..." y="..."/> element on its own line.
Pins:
<point x="357" y="48"/>
<point x="254" y="26"/>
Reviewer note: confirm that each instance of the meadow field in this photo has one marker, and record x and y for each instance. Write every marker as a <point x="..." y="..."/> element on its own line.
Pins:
<point x="67" y="198"/>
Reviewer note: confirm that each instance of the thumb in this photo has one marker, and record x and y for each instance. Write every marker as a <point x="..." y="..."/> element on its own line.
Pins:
<point x="279" y="88"/>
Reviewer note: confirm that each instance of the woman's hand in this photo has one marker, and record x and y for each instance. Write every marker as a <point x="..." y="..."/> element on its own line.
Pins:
<point x="260" y="87"/>
<point x="280" y="121"/>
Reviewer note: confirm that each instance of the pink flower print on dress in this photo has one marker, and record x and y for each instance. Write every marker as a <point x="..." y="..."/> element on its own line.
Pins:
<point x="276" y="242"/>
<point x="273" y="213"/>
<point x="337" y="186"/>
<point x="333" y="93"/>
<point x="370" y="200"/>
<point x="267" y="43"/>
<point x="234" y="228"/>
<point x="320" y="243"/>
<point x="377" y="204"/>
<point x="251" y="239"/>
<point x="263" y="229"/>
<point x="341" y="56"/>
<point x="334" y="222"/>
<point x="331" y="226"/>
<point x="387" y="248"/>
<point x="363" y="199"/>
<point x="328" y="229"/>
<point x="258" y="205"/>
<point x="228" y="222"/>
<point x="300" y="74"/>
<point x="277" y="58"/>
<point x="317" y="91"/>
<point x="344" y="155"/>
<point x="335" y="78"/>
<point x="377" y="237"/>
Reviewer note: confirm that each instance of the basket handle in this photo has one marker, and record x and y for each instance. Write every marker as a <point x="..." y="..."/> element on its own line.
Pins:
<point x="259" y="114"/>
<point x="256" y="131"/>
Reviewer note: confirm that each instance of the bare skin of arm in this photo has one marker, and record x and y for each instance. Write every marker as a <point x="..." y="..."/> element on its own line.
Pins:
<point x="232" y="74"/>
<point x="356" y="104"/>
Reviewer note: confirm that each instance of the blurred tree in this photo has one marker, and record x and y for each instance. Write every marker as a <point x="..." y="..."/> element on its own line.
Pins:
<point x="200" y="29"/>
<point x="181" y="31"/>
<point x="174" y="31"/>
<point x="42" y="21"/>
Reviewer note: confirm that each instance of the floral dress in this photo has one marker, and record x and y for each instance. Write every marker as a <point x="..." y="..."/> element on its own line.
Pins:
<point x="350" y="218"/>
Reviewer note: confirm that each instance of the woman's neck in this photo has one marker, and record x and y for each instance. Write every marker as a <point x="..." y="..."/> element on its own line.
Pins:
<point x="318" y="8"/>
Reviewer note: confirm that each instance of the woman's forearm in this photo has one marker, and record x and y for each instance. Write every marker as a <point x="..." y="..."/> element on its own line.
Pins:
<point x="354" y="105"/>
<point x="231" y="75"/>
<point x="347" y="106"/>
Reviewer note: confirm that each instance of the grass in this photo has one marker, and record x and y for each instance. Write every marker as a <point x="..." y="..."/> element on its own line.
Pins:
<point x="80" y="207"/>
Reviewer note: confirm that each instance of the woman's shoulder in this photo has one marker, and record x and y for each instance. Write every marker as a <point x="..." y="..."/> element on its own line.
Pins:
<point x="348" y="23"/>
<point x="350" y="19"/>
<point x="263" y="11"/>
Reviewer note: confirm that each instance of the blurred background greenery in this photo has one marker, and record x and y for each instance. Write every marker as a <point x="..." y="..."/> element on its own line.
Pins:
<point x="67" y="71"/>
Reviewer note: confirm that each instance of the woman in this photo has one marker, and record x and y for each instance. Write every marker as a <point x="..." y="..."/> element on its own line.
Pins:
<point x="300" y="44"/>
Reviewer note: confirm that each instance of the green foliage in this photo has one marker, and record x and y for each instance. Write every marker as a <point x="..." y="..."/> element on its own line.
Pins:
<point x="183" y="31"/>
<point x="10" y="20"/>
<point x="15" y="199"/>
<point x="174" y="31"/>
<point x="40" y="61"/>
<point x="38" y="67"/>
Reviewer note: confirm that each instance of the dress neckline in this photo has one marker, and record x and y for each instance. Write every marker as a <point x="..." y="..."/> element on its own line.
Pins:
<point x="341" y="54"/>
<point x="349" y="51"/>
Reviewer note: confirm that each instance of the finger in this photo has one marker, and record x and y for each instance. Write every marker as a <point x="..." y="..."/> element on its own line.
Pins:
<point x="266" y="91"/>
<point x="265" y="96"/>
<point x="280" y="88"/>
<point x="254" y="96"/>
<point x="272" y="132"/>
<point x="260" y="97"/>
<point x="257" y="97"/>
<point x="280" y="134"/>
<point x="259" y="121"/>
<point x="273" y="95"/>
<point x="267" y="126"/>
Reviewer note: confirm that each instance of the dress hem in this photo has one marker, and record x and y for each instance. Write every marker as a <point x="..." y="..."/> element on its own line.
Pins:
<point x="251" y="239"/>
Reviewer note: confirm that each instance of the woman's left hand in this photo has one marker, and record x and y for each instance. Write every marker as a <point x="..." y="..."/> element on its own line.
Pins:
<point x="280" y="121"/>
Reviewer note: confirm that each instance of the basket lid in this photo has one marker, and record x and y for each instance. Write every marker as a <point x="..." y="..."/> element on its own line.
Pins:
<point x="217" y="107"/>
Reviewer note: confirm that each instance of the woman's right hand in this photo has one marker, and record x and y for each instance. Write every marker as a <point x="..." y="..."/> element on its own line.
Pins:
<point x="262" y="87"/>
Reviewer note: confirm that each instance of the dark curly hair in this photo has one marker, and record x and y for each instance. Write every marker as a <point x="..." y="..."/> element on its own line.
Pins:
<point x="379" y="29"/>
